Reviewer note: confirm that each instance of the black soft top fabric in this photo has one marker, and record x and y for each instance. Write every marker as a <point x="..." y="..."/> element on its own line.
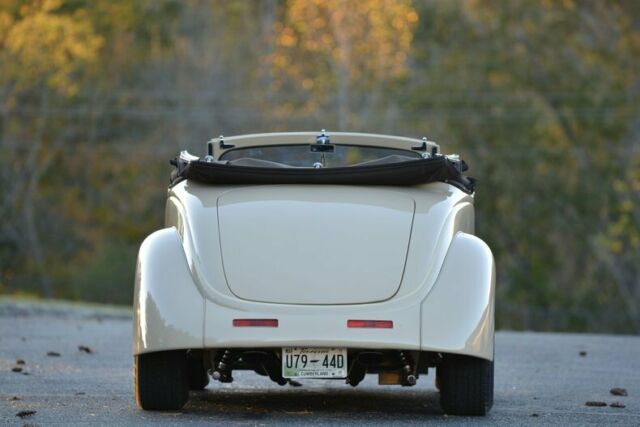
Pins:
<point x="409" y="172"/>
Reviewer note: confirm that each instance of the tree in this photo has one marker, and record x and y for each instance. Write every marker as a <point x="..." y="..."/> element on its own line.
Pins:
<point x="41" y="51"/>
<point x="540" y="100"/>
<point x="343" y="54"/>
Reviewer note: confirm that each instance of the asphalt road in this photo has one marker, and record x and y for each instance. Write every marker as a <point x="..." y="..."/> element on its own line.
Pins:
<point x="541" y="379"/>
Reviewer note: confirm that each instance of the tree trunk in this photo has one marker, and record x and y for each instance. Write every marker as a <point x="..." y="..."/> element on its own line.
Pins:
<point x="33" y="243"/>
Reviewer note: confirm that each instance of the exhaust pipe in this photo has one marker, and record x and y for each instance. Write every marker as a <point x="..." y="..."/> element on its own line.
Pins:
<point x="358" y="368"/>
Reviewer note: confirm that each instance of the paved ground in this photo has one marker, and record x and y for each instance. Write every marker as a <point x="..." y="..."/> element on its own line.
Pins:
<point x="541" y="379"/>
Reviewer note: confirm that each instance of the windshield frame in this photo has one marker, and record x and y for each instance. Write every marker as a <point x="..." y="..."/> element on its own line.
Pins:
<point x="223" y="144"/>
<point x="415" y="155"/>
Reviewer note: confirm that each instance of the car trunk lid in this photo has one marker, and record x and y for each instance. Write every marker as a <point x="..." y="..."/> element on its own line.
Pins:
<point x="314" y="245"/>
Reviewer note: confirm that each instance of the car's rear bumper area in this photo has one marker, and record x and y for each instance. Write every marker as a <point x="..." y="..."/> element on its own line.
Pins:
<point x="455" y="316"/>
<point x="318" y="327"/>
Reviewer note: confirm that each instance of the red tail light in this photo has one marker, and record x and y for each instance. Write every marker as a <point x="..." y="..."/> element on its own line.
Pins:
<point x="383" y="324"/>
<point x="268" y="323"/>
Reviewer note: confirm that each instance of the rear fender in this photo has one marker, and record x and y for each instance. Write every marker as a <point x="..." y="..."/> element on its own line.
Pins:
<point x="458" y="313"/>
<point x="168" y="307"/>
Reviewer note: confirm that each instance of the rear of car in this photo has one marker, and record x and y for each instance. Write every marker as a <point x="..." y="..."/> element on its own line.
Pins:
<point x="301" y="256"/>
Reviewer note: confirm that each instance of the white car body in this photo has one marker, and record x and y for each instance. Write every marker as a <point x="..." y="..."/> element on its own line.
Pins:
<point x="314" y="257"/>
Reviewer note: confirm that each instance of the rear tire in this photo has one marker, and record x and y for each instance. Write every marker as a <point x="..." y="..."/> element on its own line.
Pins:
<point x="466" y="385"/>
<point x="160" y="380"/>
<point x="197" y="374"/>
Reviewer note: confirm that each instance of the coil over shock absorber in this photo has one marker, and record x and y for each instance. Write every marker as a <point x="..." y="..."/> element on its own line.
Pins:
<point x="222" y="371"/>
<point x="408" y="369"/>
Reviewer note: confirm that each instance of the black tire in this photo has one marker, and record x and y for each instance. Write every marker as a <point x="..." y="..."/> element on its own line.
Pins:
<point x="197" y="374"/>
<point x="466" y="385"/>
<point x="160" y="380"/>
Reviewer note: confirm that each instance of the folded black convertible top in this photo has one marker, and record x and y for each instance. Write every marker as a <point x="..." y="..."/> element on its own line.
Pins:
<point x="410" y="172"/>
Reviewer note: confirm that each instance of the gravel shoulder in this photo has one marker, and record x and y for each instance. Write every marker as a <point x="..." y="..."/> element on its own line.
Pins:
<point x="541" y="379"/>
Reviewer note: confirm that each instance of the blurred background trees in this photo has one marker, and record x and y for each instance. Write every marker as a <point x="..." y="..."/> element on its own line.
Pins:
<point x="541" y="98"/>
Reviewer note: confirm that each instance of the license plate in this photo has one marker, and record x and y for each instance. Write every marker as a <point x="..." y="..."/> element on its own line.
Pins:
<point x="299" y="362"/>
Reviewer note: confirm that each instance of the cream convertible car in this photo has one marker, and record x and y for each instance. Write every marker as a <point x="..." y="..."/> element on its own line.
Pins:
<point x="306" y="255"/>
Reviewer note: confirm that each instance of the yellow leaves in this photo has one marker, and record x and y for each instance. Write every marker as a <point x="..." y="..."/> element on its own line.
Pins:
<point x="318" y="23"/>
<point x="626" y="206"/>
<point x="412" y="17"/>
<point x="5" y="24"/>
<point x="619" y="186"/>
<point x="368" y="40"/>
<point x="47" y="6"/>
<point x="622" y="233"/>
<point x="399" y="22"/>
<point x="287" y="37"/>
<point x="46" y="47"/>
<point x="568" y="4"/>
<point x="496" y="78"/>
